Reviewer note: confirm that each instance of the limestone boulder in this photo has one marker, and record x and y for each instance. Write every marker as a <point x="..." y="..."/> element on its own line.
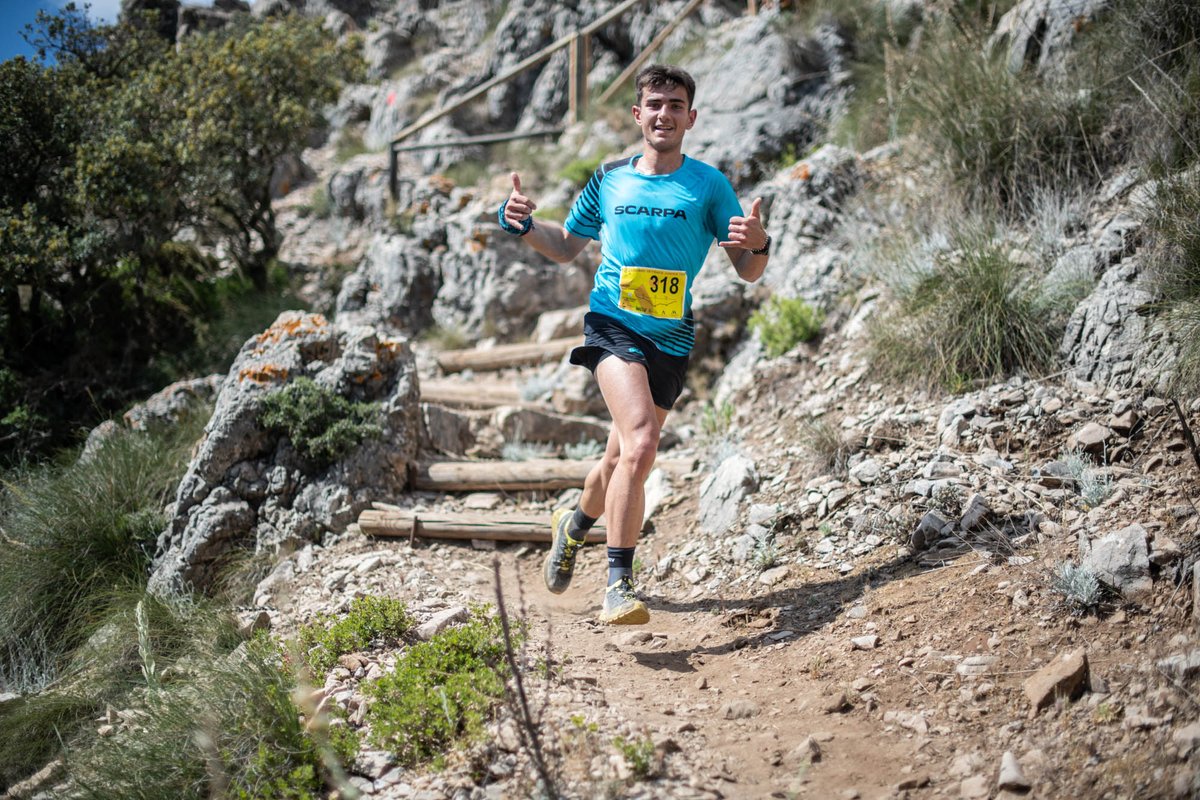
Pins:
<point x="247" y="487"/>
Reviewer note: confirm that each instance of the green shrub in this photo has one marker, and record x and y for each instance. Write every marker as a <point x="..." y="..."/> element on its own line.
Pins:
<point x="784" y="322"/>
<point x="580" y="171"/>
<point x="974" y="315"/>
<point x="1078" y="585"/>
<point x="370" y="619"/>
<point x="322" y="425"/>
<point x="638" y="754"/>
<point x="440" y="691"/>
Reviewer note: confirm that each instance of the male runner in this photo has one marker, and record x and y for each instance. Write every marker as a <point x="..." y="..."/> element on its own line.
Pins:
<point x="656" y="215"/>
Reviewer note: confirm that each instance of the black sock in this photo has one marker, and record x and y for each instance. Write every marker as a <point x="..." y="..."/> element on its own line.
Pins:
<point x="581" y="523"/>
<point x="620" y="563"/>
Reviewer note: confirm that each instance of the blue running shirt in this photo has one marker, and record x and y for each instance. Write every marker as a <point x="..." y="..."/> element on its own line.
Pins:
<point x="662" y="224"/>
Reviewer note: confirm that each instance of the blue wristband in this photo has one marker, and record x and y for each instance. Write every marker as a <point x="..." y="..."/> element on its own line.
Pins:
<point x="526" y="225"/>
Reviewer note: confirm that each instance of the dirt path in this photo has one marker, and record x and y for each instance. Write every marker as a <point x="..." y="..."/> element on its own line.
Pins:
<point x="706" y="674"/>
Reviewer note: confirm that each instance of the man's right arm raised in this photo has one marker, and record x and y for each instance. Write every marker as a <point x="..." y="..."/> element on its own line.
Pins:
<point x="548" y="238"/>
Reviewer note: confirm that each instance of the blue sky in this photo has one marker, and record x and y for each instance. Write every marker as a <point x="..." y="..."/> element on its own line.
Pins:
<point x="16" y="14"/>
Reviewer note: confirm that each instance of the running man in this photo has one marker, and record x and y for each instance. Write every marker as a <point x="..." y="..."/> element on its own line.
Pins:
<point x="656" y="215"/>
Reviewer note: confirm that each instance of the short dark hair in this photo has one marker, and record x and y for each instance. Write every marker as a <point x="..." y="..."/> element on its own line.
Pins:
<point x="664" y="76"/>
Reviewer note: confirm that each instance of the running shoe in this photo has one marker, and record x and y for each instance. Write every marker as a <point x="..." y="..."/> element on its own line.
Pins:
<point x="621" y="605"/>
<point x="560" y="561"/>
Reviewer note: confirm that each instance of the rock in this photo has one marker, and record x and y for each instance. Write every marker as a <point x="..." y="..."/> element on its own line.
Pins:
<point x="1091" y="438"/>
<point x="1039" y="33"/>
<point x="807" y="752"/>
<point x="976" y="514"/>
<point x="1187" y="738"/>
<point x="168" y="405"/>
<point x="866" y="472"/>
<point x="1063" y="677"/>
<point x="482" y="501"/>
<point x="1012" y="779"/>
<point x="246" y="482"/>
<point x="739" y="709"/>
<point x="634" y="638"/>
<point x="1181" y="666"/>
<point x="393" y="288"/>
<point x="722" y="492"/>
<point x="974" y="666"/>
<point x="865" y="642"/>
<point x="835" y="703"/>
<point x="559" y="324"/>
<point x="933" y="526"/>
<point x="774" y="575"/>
<point x="1122" y="560"/>
<point x="249" y="622"/>
<point x="442" y="620"/>
<point x="974" y="788"/>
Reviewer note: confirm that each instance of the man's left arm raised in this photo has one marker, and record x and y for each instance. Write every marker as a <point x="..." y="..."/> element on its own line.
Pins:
<point x="748" y="244"/>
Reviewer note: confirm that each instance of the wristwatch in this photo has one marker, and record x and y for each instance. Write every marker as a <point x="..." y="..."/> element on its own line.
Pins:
<point x="765" y="250"/>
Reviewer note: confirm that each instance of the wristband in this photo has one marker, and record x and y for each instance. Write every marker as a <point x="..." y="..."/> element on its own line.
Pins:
<point x="526" y="224"/>
<point x="765" y="250"/>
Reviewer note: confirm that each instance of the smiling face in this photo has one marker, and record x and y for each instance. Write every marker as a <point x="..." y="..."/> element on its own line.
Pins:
<point x="664" y="116"/>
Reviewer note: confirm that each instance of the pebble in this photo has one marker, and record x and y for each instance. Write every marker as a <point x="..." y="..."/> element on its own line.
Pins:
<point x="1011" y="777"/>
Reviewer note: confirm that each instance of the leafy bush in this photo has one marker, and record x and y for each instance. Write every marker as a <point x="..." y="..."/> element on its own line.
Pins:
<point x="784" y="322"/>
<point x="440" y="691"/>
<point x="974" y="315"/>
<point x="322" y="425"/>
<point x="638" y="754"/>
<point x="1094" y="486"/>
<point x="370" y="619"/>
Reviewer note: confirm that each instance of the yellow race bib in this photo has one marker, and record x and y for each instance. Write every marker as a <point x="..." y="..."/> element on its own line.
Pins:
<point x="657" y="292"/>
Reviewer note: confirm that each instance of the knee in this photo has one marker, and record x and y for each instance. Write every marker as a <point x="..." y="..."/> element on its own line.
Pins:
<point x="640" y="449"/>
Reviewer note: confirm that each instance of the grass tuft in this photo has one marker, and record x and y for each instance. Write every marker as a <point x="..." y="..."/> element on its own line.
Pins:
<point x="974" y="315"/>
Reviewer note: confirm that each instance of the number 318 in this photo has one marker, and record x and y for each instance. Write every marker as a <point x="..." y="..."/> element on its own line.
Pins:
<point x="668" y="285"/>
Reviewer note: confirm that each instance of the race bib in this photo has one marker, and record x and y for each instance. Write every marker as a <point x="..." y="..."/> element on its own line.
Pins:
<point x="657" y="292"/>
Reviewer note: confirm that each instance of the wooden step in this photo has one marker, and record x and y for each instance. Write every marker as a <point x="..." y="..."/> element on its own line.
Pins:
<point x="476" y="394"/>
<point x="546" y="474"/>
<point x="493" y="527"/>
<point x="507" y="355"/>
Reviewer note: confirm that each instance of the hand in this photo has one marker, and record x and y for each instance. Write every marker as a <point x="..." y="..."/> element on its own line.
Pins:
<point x="747" y="232"/>
<point x="518" y="207"/>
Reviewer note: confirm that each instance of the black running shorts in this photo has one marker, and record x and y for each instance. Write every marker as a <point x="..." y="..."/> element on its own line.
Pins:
<point x="604" y="336"/>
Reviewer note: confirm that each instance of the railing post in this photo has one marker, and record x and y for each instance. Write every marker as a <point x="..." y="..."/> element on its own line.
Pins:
<point x="393" y="171"/>
<point x="573" y="111"/>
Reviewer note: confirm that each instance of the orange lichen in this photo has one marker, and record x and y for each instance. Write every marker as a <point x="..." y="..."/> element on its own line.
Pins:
<point x="265" y="373"/>
<point x="801" y="172"/>
<point x="292" y="326"/>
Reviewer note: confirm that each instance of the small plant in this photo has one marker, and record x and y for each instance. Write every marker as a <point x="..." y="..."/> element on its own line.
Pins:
<point x="321" y="205"/>
<point x="946" y="499"/>
<point x="818" y="665"/>
<point x="826" y="446"/>
<point x="766" y="554"/>
<point x="536" y="387"/>
<point x="785" y="322"/>
<point x="441" y="691"/>
<point x="1078" y="585"/>
<point x="638" y="754"/>
<point x="1106" y="713"/>
<point x="715" y="420"/>
<point x="322" y="425"/>
<point x="521" y="450"/>
<point x="1094" y="485"/>
<point x="582" y="451"/>
<point x="370" y="619"/>
<point x="446" y="337"/>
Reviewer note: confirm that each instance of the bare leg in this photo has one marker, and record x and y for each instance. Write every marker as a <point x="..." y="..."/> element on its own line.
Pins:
<point x="616" y="484"/>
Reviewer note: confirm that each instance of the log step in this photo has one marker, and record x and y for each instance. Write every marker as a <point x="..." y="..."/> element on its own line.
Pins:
<point x="497" y="528"/>
<point x="507" y="355"/>
<point x="477" y="394"/>
<point x="546" y="474"/>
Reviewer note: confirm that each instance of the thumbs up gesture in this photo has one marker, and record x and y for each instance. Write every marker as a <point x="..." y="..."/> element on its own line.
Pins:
<point x="747" y="232"/>
<point x="518" y="207"/>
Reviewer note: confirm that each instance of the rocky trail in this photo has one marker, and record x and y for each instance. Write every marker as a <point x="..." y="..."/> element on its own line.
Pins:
<point x="888" y="628"/>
